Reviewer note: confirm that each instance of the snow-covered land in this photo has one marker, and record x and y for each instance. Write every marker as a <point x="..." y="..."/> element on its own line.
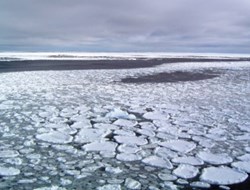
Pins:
<point x="87" y="130"/>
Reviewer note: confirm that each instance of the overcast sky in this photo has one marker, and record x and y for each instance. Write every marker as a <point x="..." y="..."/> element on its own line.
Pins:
<point x="125" y="25"/>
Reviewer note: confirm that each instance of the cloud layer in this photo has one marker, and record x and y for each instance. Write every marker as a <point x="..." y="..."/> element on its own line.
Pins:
<point x="131" y="25"/>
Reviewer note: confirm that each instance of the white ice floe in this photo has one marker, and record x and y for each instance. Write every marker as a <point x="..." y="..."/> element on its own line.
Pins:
<point x="146" y="132"/>
<point x="53" y="187"/>
<point x="8" y="153"/>
<point x="113" y="170"/>
<point x="188" y="160"/>
<point x="120" y="114"/>
<point x="105" y="126"/>
<point x="91" y="135"/>
<point x="245" y="157"/>
<point x="100" y="146"/>
<point x="165" y="152"/>
<point x="9" y="171"/>
<point x="242" y="165"/>
<point x="186" y="171"/>
<point x="129" y="149"/>
<point x="244" y="127"/>
<point x="179" y="145"/>
<point x="110" y="187"/>
<point x="128" y="157"/>
<point x="132" y="184"/>
<point x="155" y="115"/>
<point x="82" y="124"/>
<point x="55" y="137"/>
<point x="125" y="123"/>
<point x="222" y="175"/>
<point x="131" y="140"/>
<point x="216" y="159"/>
<point x="200" y="184"/>
<point x="167" y="177"/>
<point x="158" y="162"/>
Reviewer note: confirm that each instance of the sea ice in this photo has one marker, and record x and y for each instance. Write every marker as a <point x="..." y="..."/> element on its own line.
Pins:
<point x="157" y="162"/>
<point x="165" y="153"/>
<point x="8" y="153"/>
<point x="216" y="159"/>
<point x="132" y="184"/>
<point x="120" y="114"/>
<point x="156" y="115"/>
<point x="188" y="160"/>
<point x="55" y="137"/>
<point x="200" y="184"/>
<point x="243" y="166"/>
<point x="179" y="145"/>
<point x="110" y="187"/>
<point x="186" y="171"/>
<point x="131" y="140"/>
<point x="91" y="135"/>
<point x="222" y="175"/>
<point x="129" y="149"/>
<point x="100" y="146"/>
<point x="167" y="177"/>
<point x="125" y="123"/>
<point x="10" y="171"/>
<point x="128" y="157"/>
<point x="245" y="157"/>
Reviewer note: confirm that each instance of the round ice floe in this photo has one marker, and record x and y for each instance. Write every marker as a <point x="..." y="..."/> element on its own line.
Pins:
<point x="132" y="184"/>
<point x="110" y="187"/>
<point x="8" y="153"/>
<point x="165" y="153"/>
<point x="146" y="132"/>
<point x="129" y="149"/>
<point x="188" y="160"/>
<point x="4" y="171"/>
<point x="82" y="124"/>
<point x="243" y="166"/>
<point x="186" y="171"/>
<point x="91" y="135"/>
<point x="167" y="177"/>
<point x="100" y="146"/>
<point x="132" y="140"/>
<point x="119" y="114"/>
<point x="222" y="175"/>
<point x="200" y="184"/>
<point x="156" y="116"/>
<point x="158" y="162"/>
<point x="128" y="157"/>
<point x="125" y="123"/>
<point x="179" y="145"/>
<point x="245" y="157"/>
<point x="216" y="159"/>
<point x="55" y="137"/>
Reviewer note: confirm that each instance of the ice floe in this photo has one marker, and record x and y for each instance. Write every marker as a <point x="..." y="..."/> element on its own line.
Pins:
<point x="9" y="171"/>
<point x="100" y="146"/>
<point x="110" y="187"/>
<point x="242" y="165"/>
<point x="188" y="160"/>
<point x="158" y="162"/>
<point x="131" y="140"/>
<point x="8" y="153"/>
<point x="132" y="184"/>
<point x="128" y="157"/>
<point x="216" y="159"/>
<point x="222" y="175"/>
<point x="120" y="114"/>
<point x="90" y="135"/>
<point x="186" y="171"/>
<point x="55" y="137"/>
<point x="179" y="145"/>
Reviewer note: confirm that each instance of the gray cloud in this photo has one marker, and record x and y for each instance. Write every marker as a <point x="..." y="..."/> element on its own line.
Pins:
<point x="131" y="25"/>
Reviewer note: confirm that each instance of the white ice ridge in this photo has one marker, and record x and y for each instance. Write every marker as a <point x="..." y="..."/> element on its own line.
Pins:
<point x="108" y="56"/>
